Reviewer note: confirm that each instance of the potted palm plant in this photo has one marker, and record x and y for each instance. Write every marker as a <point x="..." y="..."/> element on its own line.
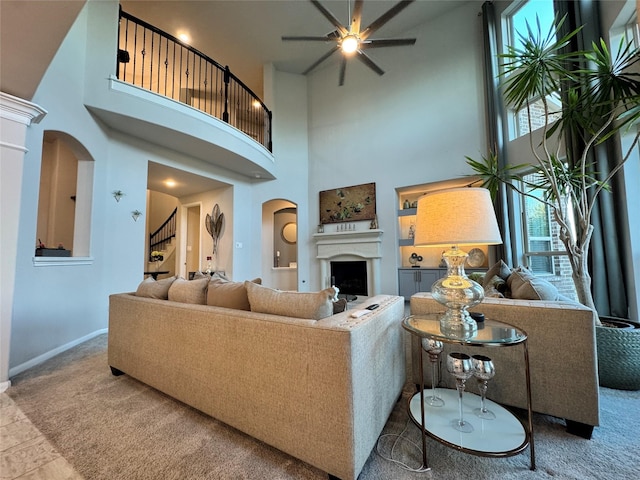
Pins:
<point x="598" y="96"/>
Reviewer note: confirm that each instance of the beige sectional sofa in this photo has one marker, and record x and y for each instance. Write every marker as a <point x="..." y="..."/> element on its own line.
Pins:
<point x="562" y="353"/>
<point x="319" y="390"/>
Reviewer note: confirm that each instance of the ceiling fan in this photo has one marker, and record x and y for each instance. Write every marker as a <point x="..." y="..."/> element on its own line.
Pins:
<point x="353" y="40"/>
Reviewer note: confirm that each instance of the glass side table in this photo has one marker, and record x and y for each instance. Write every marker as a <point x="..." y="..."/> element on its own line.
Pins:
<point x="503" y="436"/>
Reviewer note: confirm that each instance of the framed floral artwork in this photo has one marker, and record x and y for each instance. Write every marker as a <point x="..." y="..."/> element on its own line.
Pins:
<point x="348" y="204"/>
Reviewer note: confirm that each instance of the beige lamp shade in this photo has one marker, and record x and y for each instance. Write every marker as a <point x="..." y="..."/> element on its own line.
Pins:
<point x="456" y="216"/>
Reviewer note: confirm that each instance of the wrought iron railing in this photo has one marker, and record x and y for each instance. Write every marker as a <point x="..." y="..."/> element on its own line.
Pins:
<point x="159" y="239"/>
<point x="157" y="61"/>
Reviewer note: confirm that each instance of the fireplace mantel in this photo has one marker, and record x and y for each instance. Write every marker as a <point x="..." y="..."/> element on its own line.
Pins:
<point x="348" y="246"/>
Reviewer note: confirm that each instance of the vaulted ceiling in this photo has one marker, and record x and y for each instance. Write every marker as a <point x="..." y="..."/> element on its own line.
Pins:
<point x="243" y="34"/>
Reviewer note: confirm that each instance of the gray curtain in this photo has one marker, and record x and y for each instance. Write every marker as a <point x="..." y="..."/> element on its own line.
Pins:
<point x="495" y="115"/>
<point x="609" y="221"/>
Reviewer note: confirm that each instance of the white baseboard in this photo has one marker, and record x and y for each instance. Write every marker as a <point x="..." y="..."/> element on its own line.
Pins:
<point x="52" y="353"/>
<point x="4" y="385"/>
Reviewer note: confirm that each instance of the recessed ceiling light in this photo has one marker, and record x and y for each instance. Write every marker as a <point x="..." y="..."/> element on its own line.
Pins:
<point x="170" y="183"/>
<point x="184" y="37"/>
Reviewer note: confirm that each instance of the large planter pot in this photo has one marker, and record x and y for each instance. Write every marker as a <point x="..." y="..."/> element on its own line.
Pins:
<point x="619" y="354"/>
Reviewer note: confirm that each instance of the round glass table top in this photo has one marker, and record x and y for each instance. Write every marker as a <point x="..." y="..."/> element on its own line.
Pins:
<point x="490" y="332"/>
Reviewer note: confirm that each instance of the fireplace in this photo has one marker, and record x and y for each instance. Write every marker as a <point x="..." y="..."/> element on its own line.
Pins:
<point x="350" y="277"/>
<point x="363" y="247"/>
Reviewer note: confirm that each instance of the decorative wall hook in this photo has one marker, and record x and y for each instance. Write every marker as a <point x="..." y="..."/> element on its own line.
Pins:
<point x="135" y="214"/>
<point x="117" y="194"/>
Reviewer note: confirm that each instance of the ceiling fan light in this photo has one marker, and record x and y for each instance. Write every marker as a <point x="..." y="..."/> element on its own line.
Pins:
<point x="350" y="44"/>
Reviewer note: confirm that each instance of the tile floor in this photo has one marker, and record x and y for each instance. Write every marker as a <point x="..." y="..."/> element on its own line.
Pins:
<point x="25" y="453"/>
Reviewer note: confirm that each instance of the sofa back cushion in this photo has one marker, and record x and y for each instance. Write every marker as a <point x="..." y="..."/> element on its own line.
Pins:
<point x="525" y="285"/>
<point x="152" y="288"/>
<point x="500" y="270"/>
<point x="223" y="293"/>
<point x="309" y="305"/>
<point x="189" y="291"/>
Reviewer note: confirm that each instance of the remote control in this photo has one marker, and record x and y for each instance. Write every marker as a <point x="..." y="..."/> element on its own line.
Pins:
<point x="373" y="307"/>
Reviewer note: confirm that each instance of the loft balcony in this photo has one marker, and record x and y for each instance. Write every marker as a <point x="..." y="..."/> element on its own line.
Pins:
<point x="170" y="94"/>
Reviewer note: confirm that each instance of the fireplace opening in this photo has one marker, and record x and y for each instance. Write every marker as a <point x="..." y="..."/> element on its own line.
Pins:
<point x="350" y="277"/>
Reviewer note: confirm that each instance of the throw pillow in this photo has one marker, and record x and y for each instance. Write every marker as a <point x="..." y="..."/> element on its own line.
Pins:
<point x="151" y="288"/>
<point x="189" y="291"/>
<point x="309" y="305"/>
<point x="223" y="293"/>
<point x="477" y="277"/>
<point x="498" y="283"/>
<point x="526" y="286"/>
<point x="339" y="305"/>
<point x="500" y="269"/>
<point x="491" y="292"/>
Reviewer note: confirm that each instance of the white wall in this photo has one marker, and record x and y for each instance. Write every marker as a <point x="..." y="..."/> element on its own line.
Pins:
<point x="52" y="304"/>
<point x="58" y="305"/>
<point x="414" y="124"/>
<point x="16" y="115"/>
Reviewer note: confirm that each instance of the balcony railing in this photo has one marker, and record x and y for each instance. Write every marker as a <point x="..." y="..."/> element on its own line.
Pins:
<point x="161" y="63"/>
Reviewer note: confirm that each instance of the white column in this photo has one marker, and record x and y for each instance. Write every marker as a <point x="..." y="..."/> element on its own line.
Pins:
<point x="16" y="115"/>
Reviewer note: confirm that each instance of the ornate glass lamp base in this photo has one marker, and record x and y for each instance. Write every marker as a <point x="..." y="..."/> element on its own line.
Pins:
<point x="458" y="327"/>
<point x="457" y="293"/>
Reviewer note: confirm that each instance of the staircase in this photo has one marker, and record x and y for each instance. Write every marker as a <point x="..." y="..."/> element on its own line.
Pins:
<point x="162" y="240"/>
<point x="168" y="259"/>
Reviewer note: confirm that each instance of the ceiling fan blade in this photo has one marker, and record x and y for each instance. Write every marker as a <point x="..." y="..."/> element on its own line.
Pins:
<point x="329" y="16"/>
<point x="354" y="26"/>
<point x="321" y="59"/>
<point x="384" y="18"/>
<point x="326" y="38"/>
<point x="390" y="42"/>
<point x="343" y="69"/>
<point x="369" y="63"/>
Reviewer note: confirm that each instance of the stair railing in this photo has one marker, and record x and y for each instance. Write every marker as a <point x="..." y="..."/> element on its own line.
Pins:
<point x="159" y="239"/>
<point x="159" y="62"/>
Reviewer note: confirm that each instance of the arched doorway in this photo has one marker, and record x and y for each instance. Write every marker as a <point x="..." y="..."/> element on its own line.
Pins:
<point x="280" y="244"/>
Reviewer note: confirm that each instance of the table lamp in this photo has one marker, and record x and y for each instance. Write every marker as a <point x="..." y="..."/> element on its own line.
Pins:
<point x="452" y="218"/>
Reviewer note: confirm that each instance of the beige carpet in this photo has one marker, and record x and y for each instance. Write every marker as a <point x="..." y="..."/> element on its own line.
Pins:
<point x="117" y="428"/>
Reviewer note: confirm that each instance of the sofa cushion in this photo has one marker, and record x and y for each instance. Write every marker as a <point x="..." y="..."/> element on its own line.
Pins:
<point x="309" y="305"/>
<point x="223" y="293"/>
<point x="500" y="269"/>
<point x="490" y="291"/>
<point x="496" y="282"/>
<point x="152" y="288"/>
<point x="189" y="291"/>
<point x="524" y="285"/>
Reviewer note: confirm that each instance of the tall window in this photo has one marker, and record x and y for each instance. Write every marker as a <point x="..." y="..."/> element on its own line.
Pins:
<point x="544" y="253"/>
<point x="530" y="13"/>
<point x="541" y="249"/>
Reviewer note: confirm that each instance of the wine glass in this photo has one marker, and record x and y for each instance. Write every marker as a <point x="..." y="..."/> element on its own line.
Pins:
<point x="460" y="366"/>
<point x="433" y="348"/>
<point x="483" y="370"/>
